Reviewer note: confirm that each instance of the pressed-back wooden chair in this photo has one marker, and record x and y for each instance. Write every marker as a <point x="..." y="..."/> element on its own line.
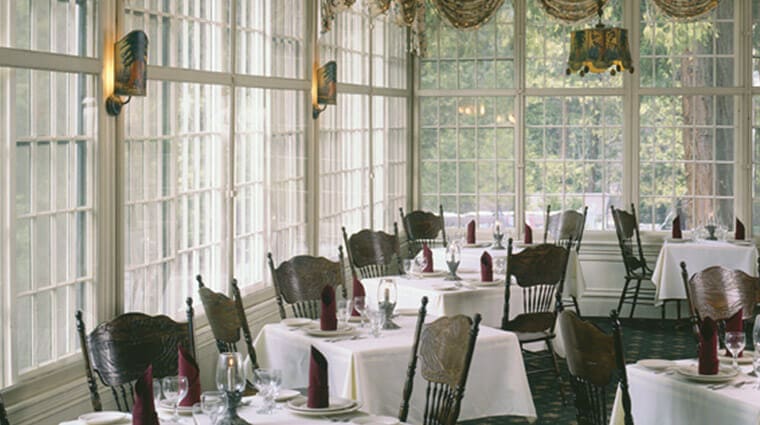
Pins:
<point x="539" y="272"/>
<point x="226" y="317"/>
<point x="373" y="253"/>
<point x="119" y="351"/>
<point x="636" y="268"/>
<point x="444" y="348"/>
<point x="298" y="282"/>
<point x="565" y="227"/>
<point x="423" y="227"/>
<point x="719" y="293"/>
<point x="3" y="414"/>
<point x="596" y="365"/>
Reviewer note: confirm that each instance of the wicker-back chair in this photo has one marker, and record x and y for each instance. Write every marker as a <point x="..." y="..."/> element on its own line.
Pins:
<point x="119" y="351"/>
<point x="373" y="253"/>
<point x="423" y="227"/>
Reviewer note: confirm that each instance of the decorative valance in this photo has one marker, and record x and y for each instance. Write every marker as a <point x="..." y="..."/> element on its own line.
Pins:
<point x="686" y="10"/>
<point x="405" y="13"/>
<point x="464" y="14"/>
<point x="330" y="9"/>
<point x="571" y="11"/>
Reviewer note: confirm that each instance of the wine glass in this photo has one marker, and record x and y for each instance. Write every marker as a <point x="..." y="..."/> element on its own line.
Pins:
<point x="268" y="383"/>
<point x="756" y="364"/>
<point x="157" y="392"/>
<point x="344" y="308"/>
<point x="360" y="305"/>
<point x="420" y="262"/>
<point x="407" y="263"/>
<point x="213" y="404"/>
<point x="175" y="389"/>
<point x="756" y="331"/>
<point x="735" y="344"/>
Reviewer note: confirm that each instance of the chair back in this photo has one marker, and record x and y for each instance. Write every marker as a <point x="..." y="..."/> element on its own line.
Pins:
<point x="120" y="350"/>
<point x="298" y="282"/>
<point x="373" y="253"/>
<point x="444" y="348"/>
<point x="3" y="415"/>
<point x="423" y="227"/>
<point x="226" y="317"/>
<point x="593" y="360"/>
<point x="565" y="226"/>
<point x="627" y="231"/>
<point x="540" y="273"/>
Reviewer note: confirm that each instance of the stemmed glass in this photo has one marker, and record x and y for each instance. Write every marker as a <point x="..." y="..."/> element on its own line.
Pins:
<point x="213" y="404"/>
<point x="756" y="364"/>
<point x="175" y="389"/>
<point x="735" y="344"/>
<point x="157" y="397"/>
<point x="268" y="383"/>
<point x="360" y="305"/>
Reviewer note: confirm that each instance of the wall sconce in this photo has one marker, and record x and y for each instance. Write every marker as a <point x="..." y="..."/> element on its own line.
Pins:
<point x="323" y="87"/>
<point x="130" y="70"/>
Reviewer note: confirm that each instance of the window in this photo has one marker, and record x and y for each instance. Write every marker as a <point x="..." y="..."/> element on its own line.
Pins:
<point x="389" y="159"/>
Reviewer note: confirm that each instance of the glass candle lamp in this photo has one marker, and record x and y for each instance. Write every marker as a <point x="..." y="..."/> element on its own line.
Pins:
<point x="387" y="295"/>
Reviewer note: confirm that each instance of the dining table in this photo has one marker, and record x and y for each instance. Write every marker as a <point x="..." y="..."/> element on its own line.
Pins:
<point x="698" y="255"/>
<point x="373" y="370"/>
<point x="667" y="396"/>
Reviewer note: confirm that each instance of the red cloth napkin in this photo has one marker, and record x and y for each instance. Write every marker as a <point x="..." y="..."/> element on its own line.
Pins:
<point x="428" y="254"/>
<point x="528" y="237"/>
<point x="708" y="347"/>
<point x="471" y="232"/>
<point x="188" y="367"/>
<point x="318" y="393"/>
<point x="735" y="324"/>
<point x="328" y="320"/>
<point x="676" y="231"/>
<point x="358" y="292"/>
<point x="143" y="411"/>
<point x="486" y="267"/>
<point x="739" y="230"/>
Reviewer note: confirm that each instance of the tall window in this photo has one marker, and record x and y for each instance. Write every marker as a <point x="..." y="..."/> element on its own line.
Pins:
<point x="755" y="116"/>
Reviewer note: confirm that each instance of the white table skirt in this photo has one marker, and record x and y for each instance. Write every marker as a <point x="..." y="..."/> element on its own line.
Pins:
<point x="698" y="256"/>
<point x="374" y="370"/>
<point x="673" y="400"/>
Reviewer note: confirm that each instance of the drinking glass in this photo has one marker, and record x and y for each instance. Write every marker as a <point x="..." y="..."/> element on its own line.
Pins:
<point x="344" y="308"/>
<point x="500" y="265"/>
<point x="360" y="306"/>
<point x="268" y="383"/>
<point x="735" y="344"/>
<point x="376" y="321"/>
<point x="198" y="414"/>
<point x="213" y="404"/>
<point x="407" y="263"/>
<point x="157" y="392"/>
<point x="756" y="364"/>
<point x="175" y="389"/>
<point x="420" y="262"/>
<point x="756" y="331"/>
<point x="230" y="372"/>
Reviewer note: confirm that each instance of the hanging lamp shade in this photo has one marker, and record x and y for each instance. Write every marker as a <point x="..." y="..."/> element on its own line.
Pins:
<point x="599" y="49"/>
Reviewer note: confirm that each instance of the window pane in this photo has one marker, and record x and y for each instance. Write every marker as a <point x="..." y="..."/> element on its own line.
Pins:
<point x="348" y="44"/>
<point x="389" y="56"/>
<point x="175" y="144"/>
<point x="389" y="159"/>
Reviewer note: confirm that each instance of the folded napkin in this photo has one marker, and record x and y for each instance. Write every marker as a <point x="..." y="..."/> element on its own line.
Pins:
<point x="428" y="254"/>
<point x="143" y="410"/>
<point x="676" y="231"/>
<point x="708" y="347"/>
<point x="318" y="393"/>
<point x="471" y="232"/>
<point x="735" y="324"/>
<point x="189" y="368"/>
<point x="739" y="230"/>
<point x="486" y="267"/>
<point x="358" y="292"/>
<point x="328" y="320"/>
<point x="528" y="237"/>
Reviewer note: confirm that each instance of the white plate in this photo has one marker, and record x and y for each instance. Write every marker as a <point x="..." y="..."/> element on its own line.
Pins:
<point x="682" y="240"/>
<point x="746" y="358"/>
<point x="407" y="311"/>
<point x="478" y="282"/>
<point x="105" y="418"/>
<point x="314" y="330"/>
<point x="336" y="403"/>
<point x="655" y="364"/>
<point x="740" y="242"/>
<point x="169" y="407"/>
<point x="295" y="322"/>
<point x="285" y="395"/>
<point x="445" y="287"/>
<point x="692" y="373"/>
<point x="375" y="420"/>
<point x="438" y="273"/>
<point x="477" y="245"/>
<point x="355" y="319"/>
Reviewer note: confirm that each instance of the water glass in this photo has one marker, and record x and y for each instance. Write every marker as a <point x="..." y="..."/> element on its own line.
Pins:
<point x="157" y="394"/>
<point x="213" y="404"/>
<point x="420" y="263"/>
<point x="756" y="331"/>
<point x="360" y="305"/>
<point x="175" y="389"/>
<point x="735" y="344"/>
<point x="407" y="263"/>
<point x="500" y="265"/>
<point x="756" y="364"/>
<point x="376" y="321"/>
<point x="344" y="309"/>
<point x="198" y="414"/>
<point x="268" y="383"/>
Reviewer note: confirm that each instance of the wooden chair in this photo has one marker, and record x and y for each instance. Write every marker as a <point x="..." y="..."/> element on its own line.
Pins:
<point x="120" y="350"/>
<point x="444" y="349"/>
<point x="636" y="268"/>
<point x="226" y="317"/>
<point x="540" y="273"/>
<point x="3" y="415"/>
<point x="373" y="253"/>
<point x="719" y="293"/>
<point x="597" y="367"/>
<point x="298" y="282"/>
<point x="422" y="227"/>
<point x="563" y="227"/>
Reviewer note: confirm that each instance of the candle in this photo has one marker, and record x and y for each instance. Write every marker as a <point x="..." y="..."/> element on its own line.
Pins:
<point x="497" y="228"/>
<point x="230" y="373"/>
<point x="387" y="295"/>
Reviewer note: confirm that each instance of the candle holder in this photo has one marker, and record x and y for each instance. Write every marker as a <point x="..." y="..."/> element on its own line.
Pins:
<point x="230" y="378"/>
<point x="230" y="416"/>
<point x="387" y="294"/>
<point x="453" y="266"/>
<point x="453" y="256"/>
<point x="497" y="238"/>
<point x="711" y="232"/>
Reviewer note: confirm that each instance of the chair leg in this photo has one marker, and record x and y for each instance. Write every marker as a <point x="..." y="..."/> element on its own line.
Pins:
<point x="664" y="304"/>
<point x="678" y="306"/>
<point x="635" y="297"/>
<point x="622" y="294"/>
<point x="557" y="373"/>
<point x="577" y="307"/>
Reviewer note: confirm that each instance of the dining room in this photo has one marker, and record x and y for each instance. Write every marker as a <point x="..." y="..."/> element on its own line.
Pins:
<point x="379" y="212"/>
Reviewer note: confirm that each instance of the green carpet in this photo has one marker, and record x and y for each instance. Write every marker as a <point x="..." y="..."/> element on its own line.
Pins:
<point x="643" y="338"/>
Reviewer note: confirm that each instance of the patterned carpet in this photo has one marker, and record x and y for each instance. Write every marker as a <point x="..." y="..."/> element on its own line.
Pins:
<point x="643" y="338"/>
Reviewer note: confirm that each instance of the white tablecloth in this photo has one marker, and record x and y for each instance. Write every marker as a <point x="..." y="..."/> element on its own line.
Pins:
<point x="374" y="370"/>
<point x="698" y="256"/>
<point x="673" y="400"/>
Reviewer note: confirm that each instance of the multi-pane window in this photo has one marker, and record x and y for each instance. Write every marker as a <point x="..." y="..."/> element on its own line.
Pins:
<point x="270" y="180"/>
<point x="348" y="43"/>
<point x="755" y="116"/>
<point x="389" y="156"/>
<point x="573" y="156"/>
<point x="389" y="55"/>
<point x="52" y="127"/>
<point x="175" y="142"/>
